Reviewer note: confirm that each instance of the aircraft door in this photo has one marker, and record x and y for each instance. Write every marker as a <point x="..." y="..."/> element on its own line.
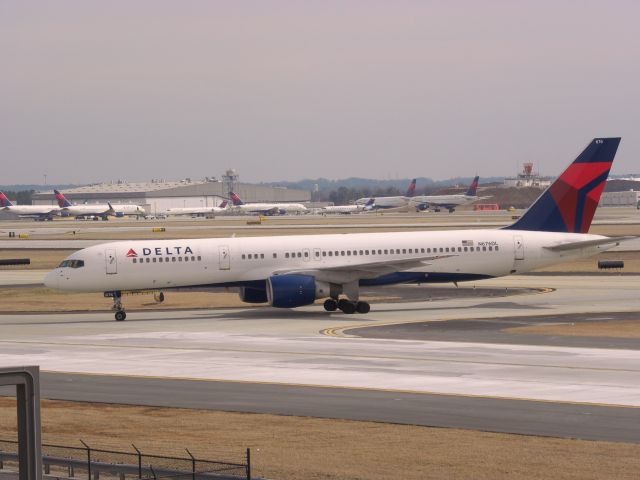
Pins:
<point x="317" y="254"/>
<point x="224" y="261"/>
<point x="518" y="245"/>
<point x="306" y="256"/>
<point x="111" y="261"/>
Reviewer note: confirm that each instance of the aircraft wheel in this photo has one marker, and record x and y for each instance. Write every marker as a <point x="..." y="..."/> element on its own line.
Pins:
<point x="363" y="307"/>
<point x="346" y="306"/>
<point x="120" y="316"/>
<point x="330" y="305"/>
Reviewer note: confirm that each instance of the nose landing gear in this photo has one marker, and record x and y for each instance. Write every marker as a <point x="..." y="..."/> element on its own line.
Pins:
<point x="118" y="307"/>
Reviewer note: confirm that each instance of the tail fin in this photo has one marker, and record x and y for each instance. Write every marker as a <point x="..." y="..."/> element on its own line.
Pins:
<point x="62" y="201"/>
<point x="411" y="191"/>
<point x="235" y="199"/>
<point x="223" y="204"/>
<point x="370" y="204"/>
<point x="473" y="188"/>
<point x="4" y="201"/>
<point x="569" y="204"/>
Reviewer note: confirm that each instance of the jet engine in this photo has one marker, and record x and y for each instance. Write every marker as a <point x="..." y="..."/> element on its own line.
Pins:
<point x="289" y="291"/>
<point x="253" y="295"/>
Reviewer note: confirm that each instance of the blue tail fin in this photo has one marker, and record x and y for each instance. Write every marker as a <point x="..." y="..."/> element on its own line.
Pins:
<point x="472" y="191"/>
<point x="569" y="204"/>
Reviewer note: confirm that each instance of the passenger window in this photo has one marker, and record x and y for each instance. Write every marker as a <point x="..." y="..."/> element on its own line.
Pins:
<point x="243" y="256"/>
<point x="496" y="248"/>
<point x="286" y="255"/>
<point x="441" y="249"/>
<point x="179" y="259"/>
<point x="262" y="255"/>
<point x="366" y="252"/>
<point x="484" y="249"/>
<point x="428" y="250"/>
<point x="422" y="250"/>
<point x="299" y="255"/>
<point x="386" y="252"/>
<point x="173" y="259"/>
<point x="306" y="254"/>
<point x="331" y="254"/>
<point x="459" y="249"/>
<point x="466" y="249"/>
<point x="199" y="258"/>
<point x="349" y="252"/>
<point x="446" y="249"/>
<point x="342" y="253"/>
<point x="490" y="248"/>
<point x="193" y="259"/>
<point x="148" y="260"/>
<point x="361" y="252"/>
<point x="160" y="260"/>
<point x="324" y="254"/>
<point x="411" y="250"/>
<point x="404" y="250"/>
<point x="135" y="260"/>
<point x="275" y="255"/>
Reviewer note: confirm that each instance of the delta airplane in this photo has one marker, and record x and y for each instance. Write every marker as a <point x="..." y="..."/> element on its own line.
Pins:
<point x="348" y="209"/>
<point x="198" y="211"/>
<point x="391" y="202"/>
<point x="40" y="212"/>
<point x="450" y="202"/>
<point x="96" y="210"/>
<point x="293" y="271"/>
<point x="265" y="208"/>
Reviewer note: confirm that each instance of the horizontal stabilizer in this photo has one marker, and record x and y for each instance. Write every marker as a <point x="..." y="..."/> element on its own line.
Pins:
<point x="588" y="243"/>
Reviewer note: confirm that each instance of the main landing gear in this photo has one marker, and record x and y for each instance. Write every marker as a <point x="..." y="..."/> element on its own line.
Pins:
<point x="347" y="306"/>
<point x="118" y="307"/>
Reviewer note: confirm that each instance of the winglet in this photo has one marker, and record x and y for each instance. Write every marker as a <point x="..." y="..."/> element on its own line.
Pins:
<point x="569" y="204"/>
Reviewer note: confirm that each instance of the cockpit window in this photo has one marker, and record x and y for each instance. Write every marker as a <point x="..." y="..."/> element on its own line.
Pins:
<point x="71" y="264"/>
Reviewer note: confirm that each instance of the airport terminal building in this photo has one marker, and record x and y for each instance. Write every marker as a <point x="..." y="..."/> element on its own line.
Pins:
<point x="158" y="196"/>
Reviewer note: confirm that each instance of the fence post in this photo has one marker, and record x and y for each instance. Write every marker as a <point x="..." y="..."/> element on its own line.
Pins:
<point x="248" y="464"/>
<point x="88" y="459"/>
<point x="153" y="472"/>
<point x="139" y="460"/>
<point x="193" y="465"/>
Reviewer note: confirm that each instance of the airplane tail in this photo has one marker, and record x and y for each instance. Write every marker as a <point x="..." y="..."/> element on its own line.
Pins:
<point x="235" y="199"/>
<point x="370" y="204"/>
<point x="411" y="191"/>
<point x="4" y="201"/>
<point x="473" y="188"/>
<point x="62" y="201"/>
<point x="223" y="204"/>
<point x="569" y="204"/>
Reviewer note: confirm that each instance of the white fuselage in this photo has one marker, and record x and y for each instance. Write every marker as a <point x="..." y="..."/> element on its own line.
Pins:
<point x="194" y="210"/>
<point x="33" y="210"/>
<point x="386" y="202"/>
<point x="162" y="264"/>
<point x="269" y="208"/>
<point x="445" y="200"/>
<point x="103" y="209"/>
<point x="342" y="209"/>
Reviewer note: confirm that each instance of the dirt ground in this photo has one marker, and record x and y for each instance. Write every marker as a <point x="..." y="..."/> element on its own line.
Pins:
<point x="612" y="328"/>
<point x="286" y="447"/>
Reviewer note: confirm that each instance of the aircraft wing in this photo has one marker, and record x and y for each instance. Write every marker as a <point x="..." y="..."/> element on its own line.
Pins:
<point x="588" y="243"/>
<point x="345" y="273"/>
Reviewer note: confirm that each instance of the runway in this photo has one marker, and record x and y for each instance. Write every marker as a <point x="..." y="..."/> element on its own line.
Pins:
<point x="270" y="359"/>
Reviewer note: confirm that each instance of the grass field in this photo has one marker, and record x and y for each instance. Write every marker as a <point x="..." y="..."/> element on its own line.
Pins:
<point x="288" y="448"/>
<point x="611" y="328"/>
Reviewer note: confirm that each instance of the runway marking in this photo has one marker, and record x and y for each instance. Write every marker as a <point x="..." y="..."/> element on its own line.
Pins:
<point x="339" y="387"/>
<point x="333" y="355"/>
<point x="338" y="332"/>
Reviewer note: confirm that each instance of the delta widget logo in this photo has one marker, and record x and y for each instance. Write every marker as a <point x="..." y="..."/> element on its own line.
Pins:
<point x="132" y="253"/>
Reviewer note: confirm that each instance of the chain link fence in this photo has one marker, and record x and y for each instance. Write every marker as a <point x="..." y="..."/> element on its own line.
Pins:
<point x="86" y="462"/>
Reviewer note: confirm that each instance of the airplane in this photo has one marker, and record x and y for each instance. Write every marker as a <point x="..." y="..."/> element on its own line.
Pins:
<point x="450" y="202"/>
<point x="265" y="208"/>
<point x="294" y="271"/>
<point x="96" y="210"/>
<point x="198" y="211"/>
<point x="39" y="212"/>
<point x="391" y="202"/>
<point x="348" y="209"/>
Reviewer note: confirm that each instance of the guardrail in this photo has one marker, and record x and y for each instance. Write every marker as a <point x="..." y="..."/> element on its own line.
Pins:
<point x="93" y="462"/>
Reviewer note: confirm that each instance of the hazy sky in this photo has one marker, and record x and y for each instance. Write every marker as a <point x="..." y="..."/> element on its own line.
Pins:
<point x="135" y="90"/>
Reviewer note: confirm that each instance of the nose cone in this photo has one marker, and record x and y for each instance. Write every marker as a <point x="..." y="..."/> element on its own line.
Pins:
<point x="52" y="279"/>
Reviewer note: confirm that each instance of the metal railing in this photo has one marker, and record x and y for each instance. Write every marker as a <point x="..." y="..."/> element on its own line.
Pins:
<point x="92" y="463"/>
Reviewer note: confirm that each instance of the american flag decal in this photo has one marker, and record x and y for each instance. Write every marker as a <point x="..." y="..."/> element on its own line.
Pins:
<point x="467" y="243"/>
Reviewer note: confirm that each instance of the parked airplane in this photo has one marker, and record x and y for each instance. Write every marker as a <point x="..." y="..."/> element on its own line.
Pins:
<point x="450" y="202"/>
<point x="293" y="271"/>
<point x="97" y="210"/>
<point x="39" y="212"/>
<point x="391" y="202"/>
<point x="265" y="208"/>
<point x="347" y="209"/>
<point x="198" y="211"/>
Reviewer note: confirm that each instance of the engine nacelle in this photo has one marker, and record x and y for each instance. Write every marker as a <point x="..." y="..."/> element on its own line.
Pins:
<point x="253" y="295"/>
<point x="289" y="291"/>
